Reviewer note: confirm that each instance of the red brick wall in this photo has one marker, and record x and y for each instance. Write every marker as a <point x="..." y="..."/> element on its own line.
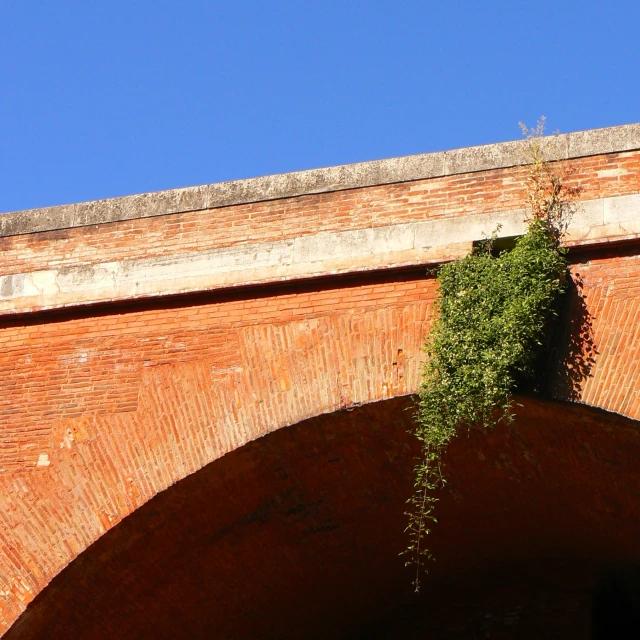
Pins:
<point x="103" y="408"/>
<point x="612" y="296"/>
<point x="125" y="403"/>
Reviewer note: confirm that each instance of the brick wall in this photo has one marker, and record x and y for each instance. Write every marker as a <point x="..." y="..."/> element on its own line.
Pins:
<point x="100" y="412"/>
<point x="102" y="408"/>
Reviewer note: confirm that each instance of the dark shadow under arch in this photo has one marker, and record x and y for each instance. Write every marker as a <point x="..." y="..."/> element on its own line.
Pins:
<point x="297" y="535"/>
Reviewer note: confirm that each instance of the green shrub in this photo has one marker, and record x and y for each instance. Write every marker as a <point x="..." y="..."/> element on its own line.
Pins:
<point x="492" y="314"/>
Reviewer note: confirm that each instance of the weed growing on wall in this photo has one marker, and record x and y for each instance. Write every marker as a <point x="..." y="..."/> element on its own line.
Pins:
<point x="492" y="313"/>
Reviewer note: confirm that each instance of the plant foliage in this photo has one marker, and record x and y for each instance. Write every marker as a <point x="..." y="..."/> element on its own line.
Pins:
<point x="492" y="313"/>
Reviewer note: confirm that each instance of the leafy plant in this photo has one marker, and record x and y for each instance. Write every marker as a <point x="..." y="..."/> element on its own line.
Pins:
<point x="492" y="314"/>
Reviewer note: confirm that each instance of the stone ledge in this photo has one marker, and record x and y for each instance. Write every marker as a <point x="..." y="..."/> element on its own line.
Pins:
<point x="298" y="183"/>
<point x="329" y="253"/>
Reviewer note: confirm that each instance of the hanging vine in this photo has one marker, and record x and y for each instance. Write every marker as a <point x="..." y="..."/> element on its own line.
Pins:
<point x="492" y="313"/>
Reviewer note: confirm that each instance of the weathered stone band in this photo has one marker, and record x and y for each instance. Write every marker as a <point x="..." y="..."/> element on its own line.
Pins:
<point x="339" y="252"/>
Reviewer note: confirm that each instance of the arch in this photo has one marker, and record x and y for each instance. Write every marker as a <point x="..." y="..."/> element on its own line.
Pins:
<point x="296" y="535"/>
<point x="104" y="407"/>
<point x="108" y="409"/>
<point x="154" y="394"/>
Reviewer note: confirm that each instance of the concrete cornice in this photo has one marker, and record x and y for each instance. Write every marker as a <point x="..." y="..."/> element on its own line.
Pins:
<point x="299" y="183"/>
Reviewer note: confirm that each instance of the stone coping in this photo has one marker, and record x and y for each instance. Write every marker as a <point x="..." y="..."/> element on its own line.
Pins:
<point x="298" y="183"/>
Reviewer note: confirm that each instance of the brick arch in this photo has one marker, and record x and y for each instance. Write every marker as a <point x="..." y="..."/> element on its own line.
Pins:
<point x="611" y="301"/>
<point x="104" y="409"/>
<point x="296" y="535"/>
<point x="149" y="396"/>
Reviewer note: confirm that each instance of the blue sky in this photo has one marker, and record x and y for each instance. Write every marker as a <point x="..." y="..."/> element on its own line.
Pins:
<point x="103" y="99"/>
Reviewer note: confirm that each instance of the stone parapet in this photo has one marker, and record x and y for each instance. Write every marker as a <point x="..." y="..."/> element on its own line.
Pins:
<point x="352" y="176"/>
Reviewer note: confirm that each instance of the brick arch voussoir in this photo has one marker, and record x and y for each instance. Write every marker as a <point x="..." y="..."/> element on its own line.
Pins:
<point x="603" y="368"/>
<point x="103" y="467"/>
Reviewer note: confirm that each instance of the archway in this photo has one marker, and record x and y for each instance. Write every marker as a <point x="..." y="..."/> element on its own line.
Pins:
<point x="297" y="535"/>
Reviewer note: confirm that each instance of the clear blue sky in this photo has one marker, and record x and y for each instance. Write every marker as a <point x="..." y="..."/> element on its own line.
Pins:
<point x="103" y="98"/>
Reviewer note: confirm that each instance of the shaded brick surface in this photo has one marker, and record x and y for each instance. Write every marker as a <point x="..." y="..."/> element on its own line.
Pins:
<point x="297" y="534"/>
